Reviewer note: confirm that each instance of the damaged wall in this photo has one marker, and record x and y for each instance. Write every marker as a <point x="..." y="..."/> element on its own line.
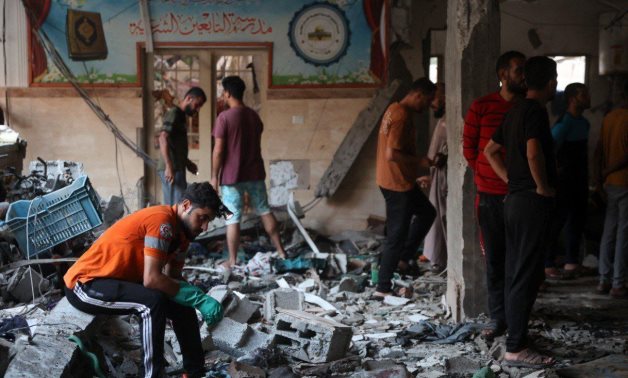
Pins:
<point x="325" y="122"/>
<point x="58" y="125"/>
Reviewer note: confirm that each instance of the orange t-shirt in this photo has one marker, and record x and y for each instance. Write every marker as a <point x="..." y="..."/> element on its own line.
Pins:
<point x="397" y="132"/>
<point x="614" y="136"/>
<point x="119" y="252"/>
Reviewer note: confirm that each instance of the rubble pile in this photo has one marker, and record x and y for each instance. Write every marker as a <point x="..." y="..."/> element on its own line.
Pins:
<point x="310" y="315"/>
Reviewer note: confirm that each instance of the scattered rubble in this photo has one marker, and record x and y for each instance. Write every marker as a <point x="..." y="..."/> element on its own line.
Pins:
<point x="311" y="315"/>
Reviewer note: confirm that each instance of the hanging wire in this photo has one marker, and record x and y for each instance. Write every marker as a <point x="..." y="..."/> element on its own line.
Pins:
<point x="58" y="61"/>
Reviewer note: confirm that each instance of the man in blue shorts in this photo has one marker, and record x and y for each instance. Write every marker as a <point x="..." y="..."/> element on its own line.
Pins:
<point x="238" y="167"/>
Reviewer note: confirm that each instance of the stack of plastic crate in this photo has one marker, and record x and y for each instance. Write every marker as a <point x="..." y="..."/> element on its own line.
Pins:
<point x="54" y="218"/>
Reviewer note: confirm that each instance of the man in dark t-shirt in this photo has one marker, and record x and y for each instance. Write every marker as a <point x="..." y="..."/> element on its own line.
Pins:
<point x="173" y="146"/>
<point x="529" y="168"/>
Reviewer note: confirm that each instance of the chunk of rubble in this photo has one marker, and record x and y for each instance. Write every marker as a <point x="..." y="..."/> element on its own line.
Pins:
<point x="50" y="353"/>
<point x="282" y="298"/>
<point x="311" y="338"/>
<point x="238" y="339"/>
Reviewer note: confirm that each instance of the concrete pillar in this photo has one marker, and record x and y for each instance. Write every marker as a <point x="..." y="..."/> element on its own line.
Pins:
<point x="473" y="44"/>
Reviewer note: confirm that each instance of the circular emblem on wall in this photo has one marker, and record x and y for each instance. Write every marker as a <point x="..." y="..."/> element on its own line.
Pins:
<point x="319" y="33"/>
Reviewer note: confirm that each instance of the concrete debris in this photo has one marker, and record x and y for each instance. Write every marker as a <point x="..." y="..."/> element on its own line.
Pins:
<point x="238" y="339"/>
<point x="287" y="299"/>
<point x="307" y="329"/>
<point x="310" y="338"/>
<point x="21" y="288"/>
<point x="238" y="370"/>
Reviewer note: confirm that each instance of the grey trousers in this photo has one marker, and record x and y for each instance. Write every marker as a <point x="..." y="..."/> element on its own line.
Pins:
<point x="614" y="246"/>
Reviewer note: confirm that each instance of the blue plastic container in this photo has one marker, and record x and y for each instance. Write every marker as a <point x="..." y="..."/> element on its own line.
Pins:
<point x="55" y="217"/>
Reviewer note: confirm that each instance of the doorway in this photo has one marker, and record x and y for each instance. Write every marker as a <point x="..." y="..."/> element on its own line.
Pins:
<point x="170" y="72"/>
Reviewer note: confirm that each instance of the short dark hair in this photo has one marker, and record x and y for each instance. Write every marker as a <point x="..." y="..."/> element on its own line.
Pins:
<point x="572" y="91"/>
<point x="423" y="85"/>
<point x="503" y="62"/>
<point x="235" y="86"/>
<point x="538" y="71"/>
<point x="202" y="194"/>
<point x="196" y="92"/>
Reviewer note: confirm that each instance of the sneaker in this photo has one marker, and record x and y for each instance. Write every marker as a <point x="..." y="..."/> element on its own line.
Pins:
<point x="619" y="293"/>
<point x="603" y="288"/>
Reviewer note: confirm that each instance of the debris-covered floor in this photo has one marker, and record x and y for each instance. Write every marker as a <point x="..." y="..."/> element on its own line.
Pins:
<point x="311" y="315"/>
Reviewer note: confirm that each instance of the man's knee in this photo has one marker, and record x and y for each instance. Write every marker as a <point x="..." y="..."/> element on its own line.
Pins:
<point x="155" y="299"/>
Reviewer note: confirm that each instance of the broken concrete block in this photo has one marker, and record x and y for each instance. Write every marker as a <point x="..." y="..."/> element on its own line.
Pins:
<point x="238" y="370"/>
<point x="23" y="291"/>
<point x="219" y="293"/>
<point x="461" y="366"/>
<point x="65" y="320"/>
<point x="288" y="299"/>
<point x="346" y="284"/>
<point x="238" y="339"/>
<point x="311" y="338"/>
<point x="229" y="334"/>
<point x="244" y="310"/>
<point x="46" y="356"/>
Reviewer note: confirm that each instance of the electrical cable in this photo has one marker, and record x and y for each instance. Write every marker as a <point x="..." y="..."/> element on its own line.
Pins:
<point x="126" y="207"/>
<point x="58" y="61"/>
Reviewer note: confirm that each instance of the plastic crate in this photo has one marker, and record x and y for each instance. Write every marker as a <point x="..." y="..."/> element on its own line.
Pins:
<point x="55" y="217"/>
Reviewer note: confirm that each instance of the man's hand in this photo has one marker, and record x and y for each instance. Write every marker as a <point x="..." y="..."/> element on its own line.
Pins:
<point x="546" y="192"/>
<point x="424" y="182"/>
<point x="214" y="184"/>
<point x="192" y="296"/>
<point x="169" y="174"/>
<point x="193" y="168"/>
<point x="440" y="160"/>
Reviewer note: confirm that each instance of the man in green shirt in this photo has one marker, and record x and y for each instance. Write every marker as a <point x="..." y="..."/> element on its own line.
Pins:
<point x="173" y="146"/>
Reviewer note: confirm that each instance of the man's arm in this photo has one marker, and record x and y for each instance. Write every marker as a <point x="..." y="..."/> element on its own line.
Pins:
<point x="164" y="141"/>
<point x="493" y="154"/>
<point x="403" y="158"/>
<point x="536" y="161"/>
<point x="218" y="159"/>
<point x="620" y="164"/>
<point x="471" y="136"/>
<point x="155" y="279"/>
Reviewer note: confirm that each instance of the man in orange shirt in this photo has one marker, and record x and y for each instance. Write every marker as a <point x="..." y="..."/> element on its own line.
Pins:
<point x="612" y="159"/>
<point x="397" y="172"/>
<point x="135" y="268"/>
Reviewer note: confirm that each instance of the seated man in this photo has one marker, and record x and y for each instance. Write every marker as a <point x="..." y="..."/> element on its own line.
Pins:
<point x="135" y="268"/>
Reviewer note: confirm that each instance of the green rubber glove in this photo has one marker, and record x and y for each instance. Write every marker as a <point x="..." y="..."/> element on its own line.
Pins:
<point x="191" y="296"/>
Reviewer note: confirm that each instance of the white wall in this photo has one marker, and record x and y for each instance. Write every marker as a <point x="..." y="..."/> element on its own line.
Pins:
<point x="565" y="27"/>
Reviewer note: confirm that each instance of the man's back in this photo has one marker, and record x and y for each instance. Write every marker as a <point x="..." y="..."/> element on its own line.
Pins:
<point x="614" y="136"/>
<point x="119" y="252"/>
<point x="526" y="120"/>
<point x="241" y="128"/>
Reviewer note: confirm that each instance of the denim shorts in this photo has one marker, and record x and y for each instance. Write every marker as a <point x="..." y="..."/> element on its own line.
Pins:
<point x="233" y="198"/>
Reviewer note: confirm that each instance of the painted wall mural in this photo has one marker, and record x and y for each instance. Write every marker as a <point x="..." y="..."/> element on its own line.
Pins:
<point x="314" y="43"/>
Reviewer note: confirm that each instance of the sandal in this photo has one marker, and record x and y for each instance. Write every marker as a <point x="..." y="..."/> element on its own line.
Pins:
<point x="553" y="274"/>
<point x="530" y="359"/>
<point x="492" y="330"/>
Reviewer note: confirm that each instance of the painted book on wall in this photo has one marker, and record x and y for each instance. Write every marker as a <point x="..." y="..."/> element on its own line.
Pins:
<point x="314" y="43"/>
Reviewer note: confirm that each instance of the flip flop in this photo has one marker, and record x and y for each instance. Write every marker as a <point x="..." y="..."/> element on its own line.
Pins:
<point x="530" y="359"/>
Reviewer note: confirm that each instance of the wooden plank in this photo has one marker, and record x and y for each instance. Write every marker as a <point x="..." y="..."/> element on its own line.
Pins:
<point x="35" y="92"/>
<point x="348" y="151"/>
